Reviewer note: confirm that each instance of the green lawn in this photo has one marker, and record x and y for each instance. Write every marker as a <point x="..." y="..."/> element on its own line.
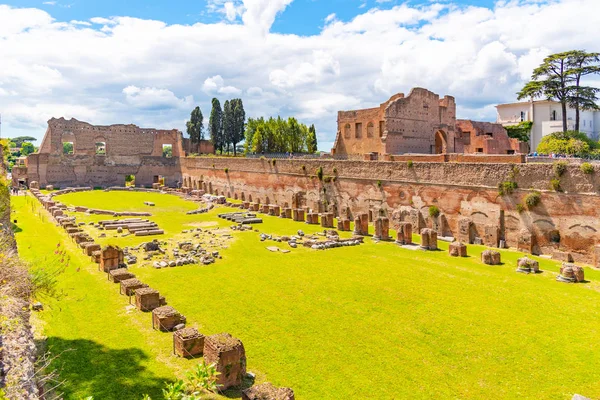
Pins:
<point x="374" y="321"/>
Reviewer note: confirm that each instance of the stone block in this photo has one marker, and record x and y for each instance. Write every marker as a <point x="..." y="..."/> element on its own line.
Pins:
<point x="527" y="265"/>
<point x="327" y="220"/>
<point x="491" y="235"/>
<point x="429" y="239"/>
<point x="274" y="210"/>
<point x="264" y="209"/>
<point x="111" y="257"/>
<point x="525" y="242"/>
<point x="246" y="205"/>
<point x="267" y="391"/>
<point x="90" y="248"/>
<point x="416" y="219"/>
<point x="490" y="257"/>
<point x="312" y="218"/>
<point x="343" y="224"/>
<point x="120" y="274"/>
<point x="298" y="214"/>
<point x="188" y="343"/>
<point x="571" y="273"/>
<point x="34" y="185"/>
<point x="457" y="249"/>
<point x="382" y="228"/>
<point x="404" y="233"/>
<point x="49" y="187"/>
<point x="361" y="224"/>
<point x="465" y="230"/>
<point x="128" y="286"/>
<point x="562" y="256"/>
<point x="166" y="318"/>
<point x="147" y="299"/>
<point x="229" y="356"/>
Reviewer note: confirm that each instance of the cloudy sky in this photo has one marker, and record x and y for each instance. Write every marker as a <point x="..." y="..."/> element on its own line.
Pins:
<point x="149" y="62"/>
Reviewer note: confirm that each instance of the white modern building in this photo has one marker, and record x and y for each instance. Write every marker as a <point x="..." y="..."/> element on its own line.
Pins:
<point x="546" y="116"/>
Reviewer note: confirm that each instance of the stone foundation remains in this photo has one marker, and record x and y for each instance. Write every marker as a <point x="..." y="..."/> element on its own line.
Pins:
<point x="229" y="356"/>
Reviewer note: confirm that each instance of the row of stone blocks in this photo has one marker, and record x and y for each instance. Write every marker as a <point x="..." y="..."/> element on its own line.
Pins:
<point x="229" y="356"/>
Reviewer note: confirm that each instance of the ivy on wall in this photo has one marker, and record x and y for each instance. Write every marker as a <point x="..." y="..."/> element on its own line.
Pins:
<point x="521" y="131"/>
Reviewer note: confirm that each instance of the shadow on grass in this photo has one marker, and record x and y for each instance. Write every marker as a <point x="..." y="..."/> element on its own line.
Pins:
<point x="91" y="369"/>
<point x="236" y="393"/>
<point x="15" y="228"/>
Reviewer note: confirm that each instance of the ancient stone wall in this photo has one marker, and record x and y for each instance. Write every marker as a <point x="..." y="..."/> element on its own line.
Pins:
<point x="420" y="123"/>
<point x="466" y="194"/>
<point x="202" y="147"/>
<point x="104" y="155"/>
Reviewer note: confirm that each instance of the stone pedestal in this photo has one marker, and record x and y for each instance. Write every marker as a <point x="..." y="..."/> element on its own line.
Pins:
<point x="382" y="228"/>
<point x="571" y="273"/>
<point x="166" y="318"/>
<point x="274" y="210"/>
<point x="286" y="212"/>
<point x="267" y="391"/>
<point x="491" y="235"/>
<point x="490" y="257"/>
<point x="465" y="230"/>
<point x="327" y="220"/>
<point x="527" y="265"/>
<point x="429" y="239"/>
<point x="404" y="234"/>
<point x="343" y="224"/>
<point x="264" y="209"/>
<point x="120" y="274"/>
<point x="361" y="224"/>
<point x="298" y="214"/>
<point x="457" y="249"/>
<point x="147" y="299"/>
<point x="188" y="343"/>
<point x="112" y="257"/>
<point x="90" y="248"/>
<point x="312" y="218"/>
<point x="228" y="354"/>
<point x="128" y="286"/>
<point x="525" y="242"/>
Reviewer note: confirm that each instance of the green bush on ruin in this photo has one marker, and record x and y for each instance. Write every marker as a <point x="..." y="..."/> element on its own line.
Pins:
<point x="227" y="170"/>
<point x="506" y="187"/>
<point x="587" y="168"/>
<point x="555" y="185"/>
<point x="533" y="199"/>
<point x="520" y="208"/>
<point x="409" y="164"/>
<point x="434" y="211"/>
<point x="320" y="173"/>
<point x="559" y="167"/>
<point x="379" y="184"/>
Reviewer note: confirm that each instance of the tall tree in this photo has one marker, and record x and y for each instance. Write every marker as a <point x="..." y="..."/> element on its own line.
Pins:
<point x="239" y="122"/>
<point x="311" y="140"/>
<point x="584" y="98"/>
<point x="195" y="127"/>
<point x="551" y="80"/>
<point x="215" y="125"/>
<point x="228" y="124"/>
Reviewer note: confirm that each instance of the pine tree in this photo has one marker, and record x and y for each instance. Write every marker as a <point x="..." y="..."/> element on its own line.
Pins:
<point x="195" y="128"/>
<point x="228" y="124"/>
<point x="215" y="125"/>
<point x="584" y="98"/>
<point x="311" y="140"/>
<point x="239" y="121"/>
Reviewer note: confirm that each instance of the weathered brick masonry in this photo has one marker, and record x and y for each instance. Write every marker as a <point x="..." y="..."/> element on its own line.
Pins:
<point x="466" y="194"/>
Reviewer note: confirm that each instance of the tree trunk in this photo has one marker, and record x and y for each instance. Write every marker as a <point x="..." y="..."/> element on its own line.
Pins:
<point x="234" y="150"/>
<point x="577" y="103"/>
<point x="564" y="114"/>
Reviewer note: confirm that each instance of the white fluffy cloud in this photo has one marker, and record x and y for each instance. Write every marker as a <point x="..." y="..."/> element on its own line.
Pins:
<point x="129" y="70"/>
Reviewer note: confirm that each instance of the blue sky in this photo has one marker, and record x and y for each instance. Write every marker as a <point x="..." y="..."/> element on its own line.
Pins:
<point x="302" y="17"/>
<point x="150" y="62"/>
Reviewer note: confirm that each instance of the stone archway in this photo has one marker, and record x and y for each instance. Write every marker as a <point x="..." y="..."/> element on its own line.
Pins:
<point x="441" y="142"/>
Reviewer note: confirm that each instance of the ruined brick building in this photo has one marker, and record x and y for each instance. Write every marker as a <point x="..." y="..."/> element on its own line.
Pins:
<point x="75" y="153"/>
<point x="420" y="123"/>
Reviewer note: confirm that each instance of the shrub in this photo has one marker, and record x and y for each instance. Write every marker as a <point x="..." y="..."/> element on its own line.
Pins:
<point x="213" y="165"/>
<point x="409" y="164"/>
<point x="226" y="170"/>
<point x="533" y="199"/>
<point x="327" y="179"/>
<point x="587" y="168"/>
<point x="304" y="168"/>
<point x="273" y="161"/>
<point x="559" y="168"/>
<point x="555" y="184"/>
<point x="261" y="158"/>
<point x="569" y="142"/>
<point x="520" y="208"/>
<point x="320" y="173"/>
<point x="335" y="178"/>
<point x="434" y="211"/>
<point x="506" y="187"/>
<point x="379" y="184"/>
<point x="335" y="170"/>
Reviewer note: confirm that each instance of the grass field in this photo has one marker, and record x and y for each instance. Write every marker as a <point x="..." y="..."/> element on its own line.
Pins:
<point x="369" y="322"/>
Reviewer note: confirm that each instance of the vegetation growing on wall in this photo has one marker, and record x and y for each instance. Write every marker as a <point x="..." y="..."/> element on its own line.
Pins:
<point x="521" y="131"/>
<point x="434" y="211"/>
<point x="533" y="199"/>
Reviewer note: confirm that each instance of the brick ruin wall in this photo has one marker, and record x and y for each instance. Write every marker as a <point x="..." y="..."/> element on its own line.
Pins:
<point x="566" y="221"/>
<point x="129" y="150"/>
